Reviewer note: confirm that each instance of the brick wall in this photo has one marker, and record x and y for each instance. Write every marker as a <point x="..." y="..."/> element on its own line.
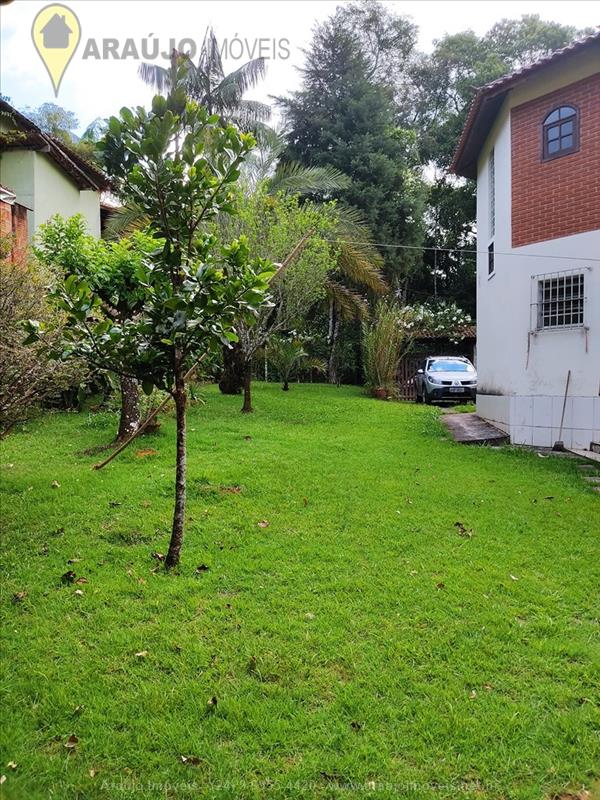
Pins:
<point x="13" y="222"/>
<point x="559" y="197"/>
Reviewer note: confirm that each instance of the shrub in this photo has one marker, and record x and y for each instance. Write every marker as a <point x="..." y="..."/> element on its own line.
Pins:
<point x="386" y="338"/>
<point x="28" y="378"/>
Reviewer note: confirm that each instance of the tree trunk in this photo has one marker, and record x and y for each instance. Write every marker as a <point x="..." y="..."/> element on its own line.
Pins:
<point x="247" y="407"/>
<point x="176" y="542"/>
<point x="232" y="377"/>
<point x="286" y="386"/>
<point x="129" y="421"/>
<point x="334" y="326"/>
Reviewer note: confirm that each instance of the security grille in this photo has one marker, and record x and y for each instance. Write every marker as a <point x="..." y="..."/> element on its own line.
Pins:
<point x="560" y="300"/>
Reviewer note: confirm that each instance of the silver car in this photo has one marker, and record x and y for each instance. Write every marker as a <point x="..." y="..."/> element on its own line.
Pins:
<point x="446" y="378"/>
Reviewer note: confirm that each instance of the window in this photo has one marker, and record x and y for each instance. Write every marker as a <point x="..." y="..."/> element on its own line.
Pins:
<point x="491" y="266"/>
<point x="560" y="301"/>
<point x="560" y="132"/>
<point x="492" y="194"/>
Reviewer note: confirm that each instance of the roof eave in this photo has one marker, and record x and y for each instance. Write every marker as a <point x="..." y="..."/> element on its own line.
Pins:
<point x="477" y="128"/>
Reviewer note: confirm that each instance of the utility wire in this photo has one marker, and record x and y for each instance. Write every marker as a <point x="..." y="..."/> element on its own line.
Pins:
<point x="462" y="250"/>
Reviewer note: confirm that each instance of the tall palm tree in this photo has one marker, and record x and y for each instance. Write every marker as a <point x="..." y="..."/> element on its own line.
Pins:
<point x="207" y="83"/>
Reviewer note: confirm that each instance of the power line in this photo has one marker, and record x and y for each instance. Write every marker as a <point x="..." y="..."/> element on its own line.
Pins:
<point x="463" y="250"/>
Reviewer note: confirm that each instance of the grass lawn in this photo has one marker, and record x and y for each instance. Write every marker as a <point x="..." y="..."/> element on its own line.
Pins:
<point x="360" y="643"/>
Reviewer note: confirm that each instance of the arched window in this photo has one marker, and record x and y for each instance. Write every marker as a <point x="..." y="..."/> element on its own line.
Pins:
<point x="561" y="132"/>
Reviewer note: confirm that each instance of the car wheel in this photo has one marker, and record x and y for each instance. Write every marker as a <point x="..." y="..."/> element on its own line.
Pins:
<point x="418" y="398"/>
<point x="426" y="397"/>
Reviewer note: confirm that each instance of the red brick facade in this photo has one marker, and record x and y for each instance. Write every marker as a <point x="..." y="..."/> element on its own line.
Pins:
<point x="13" y="222"/>
<point x="559" y="197"/>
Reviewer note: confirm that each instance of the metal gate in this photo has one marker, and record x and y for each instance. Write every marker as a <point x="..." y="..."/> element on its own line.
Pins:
<point x="406" y="373"/>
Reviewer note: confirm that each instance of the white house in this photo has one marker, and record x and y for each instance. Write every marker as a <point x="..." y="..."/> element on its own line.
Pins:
<point x="47" y="176"/>
<point x="532" y="141"/>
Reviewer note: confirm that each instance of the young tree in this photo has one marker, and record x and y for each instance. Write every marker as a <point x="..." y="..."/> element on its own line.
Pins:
<point x="288" y="354"/>
<point x="111" y="270"/>
<point x="275" y="226"/>
<point x="193" y="291"/>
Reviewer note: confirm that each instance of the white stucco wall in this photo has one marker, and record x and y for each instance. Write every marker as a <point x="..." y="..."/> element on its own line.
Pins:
<point x="522" y="375"/>
<point x="42" y="186"/>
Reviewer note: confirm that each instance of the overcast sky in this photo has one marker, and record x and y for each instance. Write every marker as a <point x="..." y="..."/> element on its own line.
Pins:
<point x="94" y="88"/>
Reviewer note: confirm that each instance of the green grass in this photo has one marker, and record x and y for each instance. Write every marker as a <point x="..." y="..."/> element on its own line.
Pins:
<point x="362" y="643"/>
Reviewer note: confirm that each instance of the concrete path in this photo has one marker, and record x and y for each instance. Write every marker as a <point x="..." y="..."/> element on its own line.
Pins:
<point x="471" y="429"/>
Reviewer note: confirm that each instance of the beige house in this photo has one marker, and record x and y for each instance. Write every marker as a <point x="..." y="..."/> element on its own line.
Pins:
<point x="45" y="175"/>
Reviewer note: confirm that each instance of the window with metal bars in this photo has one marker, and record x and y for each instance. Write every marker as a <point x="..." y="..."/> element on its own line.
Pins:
<point x="561" y="301"/>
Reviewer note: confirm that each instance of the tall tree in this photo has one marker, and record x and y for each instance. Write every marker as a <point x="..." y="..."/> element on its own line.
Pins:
<point x="207" y="83"/>
<point x="342" y="117"/>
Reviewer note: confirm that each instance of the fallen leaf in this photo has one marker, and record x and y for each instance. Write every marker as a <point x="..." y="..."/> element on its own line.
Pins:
<point x="247" y="438"/>
<point x="488" y="687"/>
<point x="12" y="764"/>
<point x="212" y="702"/>
<point x="473" y="695"/>
<point x="78" y="592"/>
<point x="463" y="531"/>
<point x="146" y="503"/>
<point x="19" y="597"/>
<point x="55" y="485"/>
<point x="73" y="561"/>
<point x="114" y="504"/>
<point x="93" y="773"/>
<point x="2" y="779"/>
<point x="193" y="761"/>
<point x="147" y="452"/>
<point x="440" y="585"/>
<point x="549" y="497"/>
<point x="141" y="654"/>
<point x="82" y="580"/>
<point x="71" y="742"/>
<point x="68" y="577"/>
<point x="230" y="489"/>
<point x="355" y="725"/>
<point x="308" y="615"/>
<point x="78" y="709"/>
<point x="158" y="556"/>
<point x="264" y="523"/>
<point x="514" y="578"/>
<point x="202" y="568"/>
<point x="305" y="501"/>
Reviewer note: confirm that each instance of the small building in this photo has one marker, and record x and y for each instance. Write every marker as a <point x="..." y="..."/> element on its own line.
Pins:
<point x="56" y="33"/>
<point x="13" y="223"/>
<point x="46" y="176"/>
<point x="532" y="141"/>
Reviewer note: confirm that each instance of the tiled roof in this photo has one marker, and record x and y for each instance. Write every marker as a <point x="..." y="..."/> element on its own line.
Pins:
<point x="85" y="175"/>
<point x="488" y="100"/>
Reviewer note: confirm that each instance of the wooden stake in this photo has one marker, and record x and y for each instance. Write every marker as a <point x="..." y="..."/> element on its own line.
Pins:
<point x="145" y="423"/>
<point x="280" y="268"/>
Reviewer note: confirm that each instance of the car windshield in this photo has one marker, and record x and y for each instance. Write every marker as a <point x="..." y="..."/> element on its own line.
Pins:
<point x="449" y="366"/>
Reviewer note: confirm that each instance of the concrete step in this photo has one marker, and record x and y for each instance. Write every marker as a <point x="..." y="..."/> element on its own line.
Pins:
<point x="472" y="429"/>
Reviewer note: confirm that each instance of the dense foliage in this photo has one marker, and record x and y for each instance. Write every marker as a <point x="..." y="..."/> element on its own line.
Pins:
<point x="28" y="377"/>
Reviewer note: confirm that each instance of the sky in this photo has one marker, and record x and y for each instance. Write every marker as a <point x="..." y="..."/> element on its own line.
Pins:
<point x="97" y="87"/>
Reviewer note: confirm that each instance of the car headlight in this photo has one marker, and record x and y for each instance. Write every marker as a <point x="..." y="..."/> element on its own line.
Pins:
<point x="431" y="379"/>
